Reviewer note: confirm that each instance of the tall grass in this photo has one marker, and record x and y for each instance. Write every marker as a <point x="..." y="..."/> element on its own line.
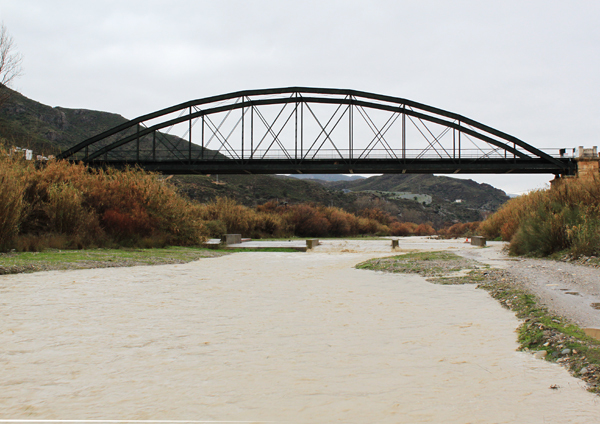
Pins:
<point x="224" y="215"/>
<point x="67" y="205"/>
<point x="543" y="222"/>
<point x="12" y="187"/>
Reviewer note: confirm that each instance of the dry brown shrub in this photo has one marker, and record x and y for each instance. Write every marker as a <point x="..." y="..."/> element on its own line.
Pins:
<point x="131" y="205"/>
<point x="402" y="229"/>
<point x="424" y="230"/>
<point x="505" y="222"/>
<point x="307" y="221"/>
<point x="12" y="188"/>
<point x="366" y="226"/>
<point x="239" y="219"/>
<point x="66" y="211"/>
<point x="269" y="207"/>
<point x="378" y="215"/>
<point x="543" y="222"/>
<point x="270" y="225"/>
<point x="467" y="229"/>
<point x="341" y="223"/>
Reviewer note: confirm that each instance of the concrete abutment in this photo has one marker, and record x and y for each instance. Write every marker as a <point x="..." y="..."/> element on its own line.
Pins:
<point x="588" y="166"/>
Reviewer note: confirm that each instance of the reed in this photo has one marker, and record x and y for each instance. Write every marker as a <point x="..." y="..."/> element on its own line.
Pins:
<point x="12" y="188"/>
<point x="544" y="222"/>
<point x="66" y="205"/>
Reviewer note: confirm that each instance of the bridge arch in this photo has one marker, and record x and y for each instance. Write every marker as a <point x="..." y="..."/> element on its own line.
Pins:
<point x="312" y="130"/>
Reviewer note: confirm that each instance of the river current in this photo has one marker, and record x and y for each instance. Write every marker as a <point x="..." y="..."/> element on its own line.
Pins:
<point x="297" y="337"/>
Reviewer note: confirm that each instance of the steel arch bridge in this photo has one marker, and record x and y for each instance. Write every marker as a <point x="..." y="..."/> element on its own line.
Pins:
<point x="312" y="130"/>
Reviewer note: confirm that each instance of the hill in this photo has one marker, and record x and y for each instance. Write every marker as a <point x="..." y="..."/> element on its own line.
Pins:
<point x="50" y="130"/>
<point x="252" y="190"/>
<point x="443" y="189"/>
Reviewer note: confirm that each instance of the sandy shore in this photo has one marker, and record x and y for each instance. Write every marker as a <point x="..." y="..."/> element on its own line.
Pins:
<point x="300" y="337"/>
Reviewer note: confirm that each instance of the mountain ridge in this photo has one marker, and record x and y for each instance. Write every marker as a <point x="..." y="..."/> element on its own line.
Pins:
<point x="448" y="189"/>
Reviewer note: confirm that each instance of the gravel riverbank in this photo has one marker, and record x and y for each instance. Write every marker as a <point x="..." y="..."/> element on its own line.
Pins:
<point x="568" y="289"/>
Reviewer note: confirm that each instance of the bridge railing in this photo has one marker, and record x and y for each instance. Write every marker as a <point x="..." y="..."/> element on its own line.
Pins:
<point x="327" y="154"/>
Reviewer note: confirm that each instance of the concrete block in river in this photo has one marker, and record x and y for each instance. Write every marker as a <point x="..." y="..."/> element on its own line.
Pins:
<point x="232" y="239"/>
<point x="478" y="241"/>
<point x="312" y="243"/>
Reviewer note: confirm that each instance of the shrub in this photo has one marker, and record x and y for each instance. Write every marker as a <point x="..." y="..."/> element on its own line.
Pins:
<point x="402" y="229"/>
<point x="12" y="204"/>
<point x="424" y="230"/>
<point x="548" y="221"/>
<point x="541" y="234"/>
<point x="584" y="236"/>
<point x="307" y="221"/>
<point x="468" y="229"/>
<point x="341" y="223"/>
<point x="230" y="217"/>
<point x="68" y="205"/>
<point x="216" y="228"/>
<point x="66" y="212"/>
<point x="378" y="215"/>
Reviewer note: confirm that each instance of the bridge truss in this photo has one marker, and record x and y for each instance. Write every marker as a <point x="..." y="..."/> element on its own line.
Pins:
<point x="312" y="130"/>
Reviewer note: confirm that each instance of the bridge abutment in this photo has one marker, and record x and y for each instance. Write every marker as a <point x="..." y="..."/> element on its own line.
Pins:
<point x="588" y="166"/>
<point x="588" y="162"/>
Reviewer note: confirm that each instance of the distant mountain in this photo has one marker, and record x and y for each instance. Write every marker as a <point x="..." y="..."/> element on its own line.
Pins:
<point x="327" y="177"/>
<point x="444" y="189"/>
<point x="252" y="190"/>
<point x="453" y="200"/>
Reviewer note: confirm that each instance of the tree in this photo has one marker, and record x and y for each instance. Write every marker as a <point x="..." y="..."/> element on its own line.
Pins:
<point x="10" y="63"/>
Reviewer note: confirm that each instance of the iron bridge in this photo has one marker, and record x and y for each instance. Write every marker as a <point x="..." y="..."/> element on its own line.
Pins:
<point x="312" y="130"/>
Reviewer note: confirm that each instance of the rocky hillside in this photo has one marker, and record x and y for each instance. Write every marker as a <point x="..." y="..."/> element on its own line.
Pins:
<point x="474" y="195"/>
<point x="252" y="190"/>
<point x="50" y="130"/>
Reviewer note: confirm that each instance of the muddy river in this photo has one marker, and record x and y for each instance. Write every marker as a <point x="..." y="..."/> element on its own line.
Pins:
<point x="256" y="337"/>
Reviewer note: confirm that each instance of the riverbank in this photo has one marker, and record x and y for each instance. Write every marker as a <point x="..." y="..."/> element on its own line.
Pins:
<point x="535" y="291"/>
<point x="60" y="260"/>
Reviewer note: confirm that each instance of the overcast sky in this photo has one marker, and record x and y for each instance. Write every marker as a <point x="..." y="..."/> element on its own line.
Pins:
<point x="528" y="68"/>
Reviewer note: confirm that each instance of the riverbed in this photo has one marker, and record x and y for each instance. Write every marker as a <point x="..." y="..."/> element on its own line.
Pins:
<point x="298" y="337"/>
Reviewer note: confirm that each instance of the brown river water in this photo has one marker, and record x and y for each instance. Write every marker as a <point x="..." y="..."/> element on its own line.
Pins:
<point x="257" y="337"/>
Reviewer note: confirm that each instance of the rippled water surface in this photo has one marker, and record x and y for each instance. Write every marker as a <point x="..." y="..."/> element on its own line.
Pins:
<point x="299" y="337"/>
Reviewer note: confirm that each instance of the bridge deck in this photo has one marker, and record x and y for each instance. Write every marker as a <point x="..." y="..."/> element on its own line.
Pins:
<point x="364" y="166"/>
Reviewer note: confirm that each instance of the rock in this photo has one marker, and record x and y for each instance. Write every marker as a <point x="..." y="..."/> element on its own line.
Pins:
<point x="555" y="354"/>
<point x="565" y="351"/>
<point x="540" y="354"/>
<point x="584" y="370"/>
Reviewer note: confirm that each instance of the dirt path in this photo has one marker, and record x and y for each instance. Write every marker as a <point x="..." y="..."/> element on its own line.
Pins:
<point x="569" y="290"/>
